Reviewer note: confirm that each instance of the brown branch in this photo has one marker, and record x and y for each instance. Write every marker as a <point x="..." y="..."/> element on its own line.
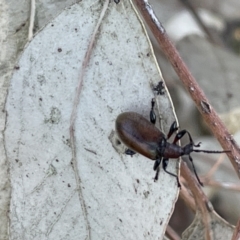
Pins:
<point x="186" y="196"/>
<point x="208" y="113"/>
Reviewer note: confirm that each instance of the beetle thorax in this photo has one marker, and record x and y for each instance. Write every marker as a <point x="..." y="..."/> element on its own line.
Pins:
<point x="172" y="151"/>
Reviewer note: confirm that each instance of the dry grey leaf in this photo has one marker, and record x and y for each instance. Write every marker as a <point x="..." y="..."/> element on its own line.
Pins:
<point x="14" y="24"/>
<point x="220" y="229"/>
<point x="116" y="197"/>
<point x="225" y="200"/>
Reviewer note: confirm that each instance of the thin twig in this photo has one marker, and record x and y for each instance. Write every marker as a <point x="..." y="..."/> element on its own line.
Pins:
<point x="223" y="185"/>
<point x="171" y="234"/>
<point x="214" y="167"/>
<point x="31" y="20"/>
<point x="187" y="197"/>
<point x="207" y="179"/>
<point x="74" y="114"/>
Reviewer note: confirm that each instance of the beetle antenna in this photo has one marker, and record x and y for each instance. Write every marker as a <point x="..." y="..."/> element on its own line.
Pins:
<point x="209" y="151"/>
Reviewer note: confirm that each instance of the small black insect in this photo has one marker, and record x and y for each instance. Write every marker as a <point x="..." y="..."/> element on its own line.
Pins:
<point x="141" y="136"/>
<point x="117" y="1"/>
<point x="159" y="88"/>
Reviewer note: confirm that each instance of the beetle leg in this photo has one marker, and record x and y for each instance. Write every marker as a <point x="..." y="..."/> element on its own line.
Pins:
<point x="191" y="160"/>
<point x="180" y="135"/>
<point x="164" y="165"/>
<point x="161" y="147"/>
<point x="156" y="168"/>
<point x="156" y="164"/>
<point x="152" y="113"/>
<point x="130" y="152"/>
<point x="191" y="141"/>
<point x="156" y="175"/>
<point x="172" y="129"/>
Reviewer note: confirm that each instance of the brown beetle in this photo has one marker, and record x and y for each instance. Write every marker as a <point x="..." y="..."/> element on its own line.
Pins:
<point x="141" y="136"/>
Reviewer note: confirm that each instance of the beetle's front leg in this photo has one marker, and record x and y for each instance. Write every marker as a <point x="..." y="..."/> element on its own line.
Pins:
<point x="181" y="134"/>
<point x="172" y="129"/>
